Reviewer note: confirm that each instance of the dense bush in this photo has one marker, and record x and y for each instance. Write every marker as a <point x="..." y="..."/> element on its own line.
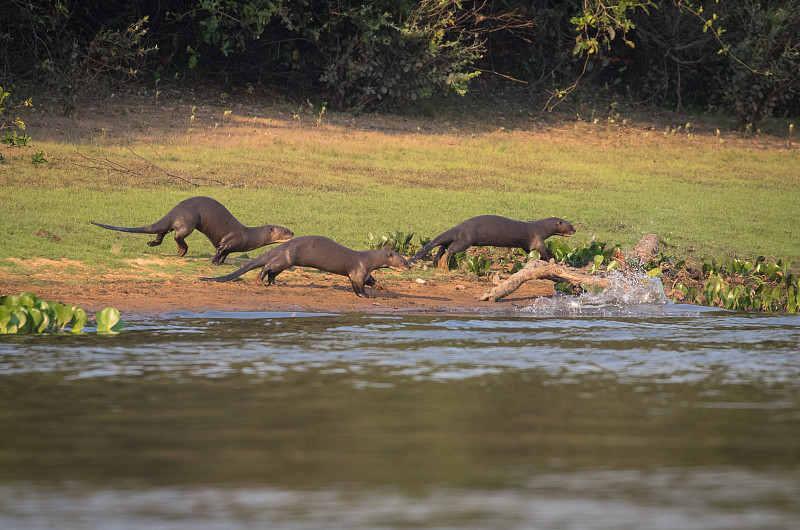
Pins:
<point x="744" y="56"/>
<point x="701" y="54"/>
<point x="353" y="53"/>
<point x="766" y="49"/>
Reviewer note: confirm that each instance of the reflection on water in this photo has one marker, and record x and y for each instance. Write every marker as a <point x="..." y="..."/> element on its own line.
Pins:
<point x="729" y="498"/>
<point x="681" y="418"/>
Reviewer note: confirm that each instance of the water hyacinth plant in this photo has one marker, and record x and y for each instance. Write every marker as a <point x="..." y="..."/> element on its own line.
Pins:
<point x="109" y="322"/>
<point x="738" y="284"/>
<point x="27" y="313"/>
<point x="400" y="242"/>
<point x="735" y="284"/>
<point x="595" y="253"/>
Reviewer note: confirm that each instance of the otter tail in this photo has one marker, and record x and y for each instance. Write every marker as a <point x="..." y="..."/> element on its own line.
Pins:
<point x="435" y="242"/>
<point x="235" y="274"/>
<point x="139" y="230"/>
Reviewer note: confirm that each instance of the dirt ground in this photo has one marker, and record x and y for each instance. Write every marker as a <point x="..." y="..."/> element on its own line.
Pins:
<point x="295" y="290"/>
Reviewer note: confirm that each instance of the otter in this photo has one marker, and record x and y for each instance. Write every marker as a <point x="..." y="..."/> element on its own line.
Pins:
<point x="326" y="255"/>
<point x="496" y="231"/>
<point x="211" y="218"/>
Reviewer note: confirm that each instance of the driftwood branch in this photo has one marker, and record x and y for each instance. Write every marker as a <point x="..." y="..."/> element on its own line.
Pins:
<point x="106" y="164"/>
<point x="646" y="249"/>
<point x="540" y="270"/>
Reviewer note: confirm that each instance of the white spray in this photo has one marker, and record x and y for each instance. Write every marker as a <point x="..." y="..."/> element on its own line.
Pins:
<point x="628" y="293"/>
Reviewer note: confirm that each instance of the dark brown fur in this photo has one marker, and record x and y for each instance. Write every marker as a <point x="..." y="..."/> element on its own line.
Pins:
<point x="326" y="255"/>
<point x="496" y="231"/>
<point x="211" y="218"/>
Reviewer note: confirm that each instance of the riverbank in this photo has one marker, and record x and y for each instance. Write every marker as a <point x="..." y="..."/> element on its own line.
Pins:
<point x="295" y="290"/>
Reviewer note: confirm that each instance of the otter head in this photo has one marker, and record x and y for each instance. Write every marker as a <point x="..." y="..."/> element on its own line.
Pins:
<point x="396" y="262"/>
<point x="562" y="227"/>
<point x="279" y="234"/>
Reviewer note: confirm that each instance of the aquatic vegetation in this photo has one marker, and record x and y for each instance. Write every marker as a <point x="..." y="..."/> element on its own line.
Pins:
<point x="595" y="253"/>
<point x="400" y="242"/>
<point x="737" y="284"/>
<point x="27" y="313"/>
<point x="478" y="264"/>
<point x="732" y="283"/>
<point x="108" y="321"/>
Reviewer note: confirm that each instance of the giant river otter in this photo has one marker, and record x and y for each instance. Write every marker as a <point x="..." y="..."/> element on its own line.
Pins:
<point x="326" y="255"/>
<point x="496" y="231"/>
<point x="211" y="218"/>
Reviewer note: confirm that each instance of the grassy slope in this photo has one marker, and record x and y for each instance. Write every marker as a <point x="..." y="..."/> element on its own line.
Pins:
<point x="702" y="197"/>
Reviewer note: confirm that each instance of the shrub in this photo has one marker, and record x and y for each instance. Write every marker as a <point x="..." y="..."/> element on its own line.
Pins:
<point x="765" y="70"/>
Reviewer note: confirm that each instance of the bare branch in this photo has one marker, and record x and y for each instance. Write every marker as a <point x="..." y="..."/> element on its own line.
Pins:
<point x="106" y="164"/>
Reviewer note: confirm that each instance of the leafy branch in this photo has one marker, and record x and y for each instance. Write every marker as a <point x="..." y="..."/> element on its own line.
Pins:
<point x="5" y="122"/>
<point x="600" y="23"/>
<point x="711" y="25"/>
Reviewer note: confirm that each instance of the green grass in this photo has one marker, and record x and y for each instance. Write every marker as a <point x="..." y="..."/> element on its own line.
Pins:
<point x="701" y="197"/>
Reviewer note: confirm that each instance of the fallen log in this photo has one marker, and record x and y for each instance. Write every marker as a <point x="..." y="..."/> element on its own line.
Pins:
<point x="646" y="249"/>
<point x="541" y="270"/>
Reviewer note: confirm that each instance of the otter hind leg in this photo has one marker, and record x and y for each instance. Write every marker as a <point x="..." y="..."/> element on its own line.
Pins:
<point x="182" y="246"/>
<point x="372" y="282"/>
<point x="458" y="245"/>
<point x="219" y="257"/>
<point x="269" y="274"/>
<point x="157" y="241"/>
<point x="440" y="260"/>
<point x="182" y="232"/>
<point x="358" y="288"/>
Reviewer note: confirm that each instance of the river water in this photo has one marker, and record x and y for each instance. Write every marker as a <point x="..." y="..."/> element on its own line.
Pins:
<point x="621" y="414"/>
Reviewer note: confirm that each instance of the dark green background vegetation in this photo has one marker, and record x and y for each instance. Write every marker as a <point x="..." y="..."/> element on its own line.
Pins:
<point x="741" y="57"/>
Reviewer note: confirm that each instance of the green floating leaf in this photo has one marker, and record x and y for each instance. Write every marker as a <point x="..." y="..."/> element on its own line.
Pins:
<point x="27" y="299"/>
<point x="10" y="301"/>
<point x="79" y="319"/>
<point x="20" y="320"/>
<point x="654" y="272"/>
<point x="108" y="321"/>
<point x="28" y="314"/>
<point x="598" y="260"/>
<point x="63" y="314"/>
<point x="5" y="319"/>
<point x="564" y="287"/>
<point x="37" y="317"/>
<point x="559" y="249"/>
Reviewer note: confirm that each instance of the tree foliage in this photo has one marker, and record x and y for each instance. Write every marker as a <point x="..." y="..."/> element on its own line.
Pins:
<point x="766" y="69"/>
<point x="697" y="54"/>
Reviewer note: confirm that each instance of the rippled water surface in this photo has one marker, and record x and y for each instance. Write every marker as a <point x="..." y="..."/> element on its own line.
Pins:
<point x="654" y="416"/>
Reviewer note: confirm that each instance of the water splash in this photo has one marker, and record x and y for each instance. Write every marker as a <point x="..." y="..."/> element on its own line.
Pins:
<point x="628" y="293"/>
